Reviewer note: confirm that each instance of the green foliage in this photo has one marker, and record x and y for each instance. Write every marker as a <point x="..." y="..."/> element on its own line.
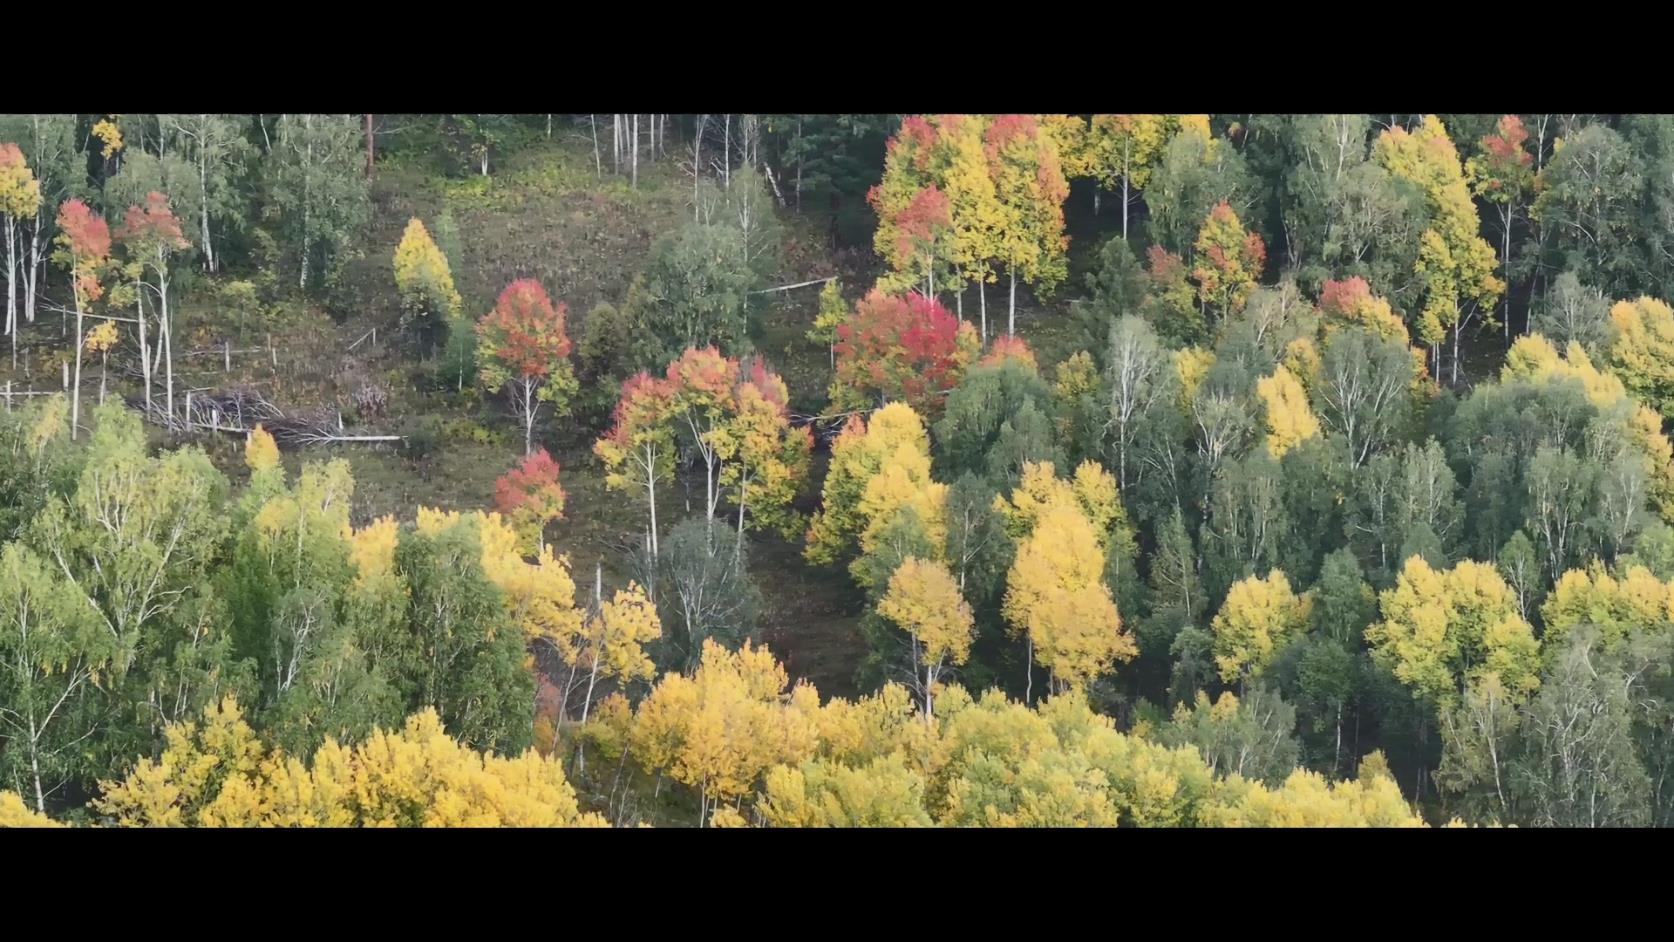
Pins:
<point x="695" y="293"/>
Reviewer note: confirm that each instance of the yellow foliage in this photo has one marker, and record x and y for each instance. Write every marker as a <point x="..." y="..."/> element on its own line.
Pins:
<point x="422" y="275"/>
<point x="1443" y="630"/>
<point x="1257" y="619"/>
<point x="924" y="600"/>
<point x="101" y="338"/>
<point x="1191" y="364"/>
<point x="219" y="775"/>
<point x="1637" y="603"/>
<point x="261" y="453"/>
<point x="14" y="813"/>
<point x="1055" y="594"/>
<point x="1289" y="419"/>
<point x="1641" y="350"/>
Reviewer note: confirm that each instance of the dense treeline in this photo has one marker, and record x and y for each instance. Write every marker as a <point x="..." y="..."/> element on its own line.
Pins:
<point x="1308" y="470"/>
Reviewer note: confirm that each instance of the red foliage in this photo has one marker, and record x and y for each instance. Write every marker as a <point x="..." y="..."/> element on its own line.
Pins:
<point x="1506" y="147"/>
<point x="771" y="384"/>
<point x="532" y="485"/>
<point x="525" y="331"/>
<point x="1343" y="297"/>
<point x="643" y="402"/>
<point x="917" y="134"/>
<point x="921" y="222"/>
<point x="10" y="156"/>
<point x="1007" y="127"/>
<point x="87" y="237"/>
<point x="1009" y="347"/>
<point x="152" y="224"/>
<point x="900" y="349"/>
<point x="702" y="373"/>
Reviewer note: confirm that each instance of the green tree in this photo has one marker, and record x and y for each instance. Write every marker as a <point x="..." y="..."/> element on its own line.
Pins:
<point x="696" y="288"/>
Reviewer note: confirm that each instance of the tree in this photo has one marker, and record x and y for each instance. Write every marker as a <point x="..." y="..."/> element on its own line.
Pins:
<point x="1588" y="208"/>
<point x="1116" y="288"/>
<point x="695" y="289"/>
<point x="218" y="774"/>
<point x="1229" y="261"/>
<point x="152" y="235"/>
<point x="1250" y="737"/>
<point x="1258" y="618"/>
<point x="53" y="151"/>
<point x="703" y="574"/>
<point x="526" y="352"/>
<point x="908" y="349"/>
<point x="1457" y="265"/>
<point x="1572" y="313"/>
<point x="317" y="184"/>
<point x="1289" y="419"/>
<point x="832" y="311"/>
<point x="1138" y="377"/>
<point x="1578" y="766"/>
<point x="530" y="496"/>
<point x="613" y="640"/>
<point x="1362" y="389"/>
<point x="720" y="729"/>
<point x="925" y="601"/>
<point x="1031" y="188"/>
<point x="923" y="240"/>
<point x="1125" y="148"/>
<point x="216" y="144"/>
<point x="1641" y="351"/>
<point x="1196" y="172"/>
<point x="987" y="398"/>
<point x="424" y="281"/>
<point x="1445" y="630"/>
<point x="20" y="199"/>
<point x="764" y="458"/>
<point x="463" y="653"/>
<point x="1056" y="597"/>
<point x="52" y="652"/>
<point x="638" y="451"/>
<point x="84" y="250"/>
<point x="1503" y="174"/>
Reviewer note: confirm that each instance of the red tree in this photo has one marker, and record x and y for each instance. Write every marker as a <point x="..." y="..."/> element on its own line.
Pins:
<point x="152" y="233"/>
<point x="525" y="351"/>
<point x="530" y="494"/>
<point x="909" y="349"/>
<point x="84" y="248"/>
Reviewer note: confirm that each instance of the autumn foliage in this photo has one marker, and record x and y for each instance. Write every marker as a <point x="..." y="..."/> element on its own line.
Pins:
<point x="909" y="349"/>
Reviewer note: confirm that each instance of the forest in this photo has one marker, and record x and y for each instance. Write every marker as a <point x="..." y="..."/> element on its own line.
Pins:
<point x="820" y="470"/>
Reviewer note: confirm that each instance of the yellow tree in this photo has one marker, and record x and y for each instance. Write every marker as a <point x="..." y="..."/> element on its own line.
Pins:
<point x="1255" y="622"/>
<point x="924" y="600"/>
<point x="614" y="639"/>
<point x="1030" y="184"/>
<point x="1641" y="351"/>
<point x="721" y="729"/>
<point x="764" y="458"/>
<point x="1443" y="631"/>
<point x="20" y="199"/>
<point x="1056" y="597"/>
<point x="1636" y="603"/>
<point x="99" y="340"/>
<point x="1228" y="261"/>
<point x="1455" y="262"/>
<point x="423" y="279"/>
<point x="859" y="454"/>
<point x="1289" y="419"/>
<point x="218" y="774"/>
